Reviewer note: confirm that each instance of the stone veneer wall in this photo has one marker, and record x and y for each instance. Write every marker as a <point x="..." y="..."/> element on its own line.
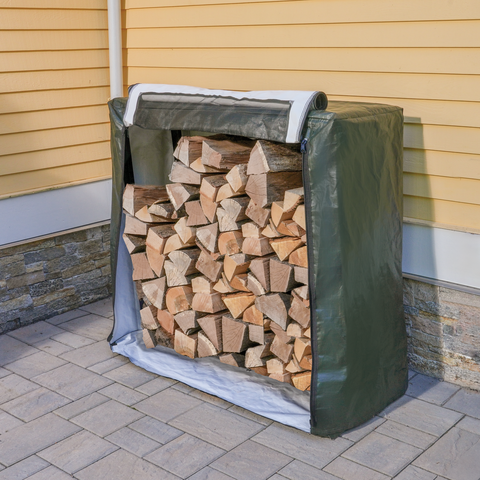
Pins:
<point x="443" y="327"/>
<point x="43" y="278"/>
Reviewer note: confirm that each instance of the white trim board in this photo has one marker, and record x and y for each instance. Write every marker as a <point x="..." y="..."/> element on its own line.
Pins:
<point x="43" y="213"/>
<point x="445" y="255"/>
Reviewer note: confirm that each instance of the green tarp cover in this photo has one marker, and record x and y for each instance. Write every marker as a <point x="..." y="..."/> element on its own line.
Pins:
<point x="353" y="197"/>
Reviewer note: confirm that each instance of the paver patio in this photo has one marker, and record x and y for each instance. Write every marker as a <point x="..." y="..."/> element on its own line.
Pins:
<point x="70" y="408"/>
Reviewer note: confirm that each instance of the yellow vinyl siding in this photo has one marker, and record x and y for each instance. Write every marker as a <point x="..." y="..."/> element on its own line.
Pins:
<point x="421" y="56"/>
<point x="54" y="85"/>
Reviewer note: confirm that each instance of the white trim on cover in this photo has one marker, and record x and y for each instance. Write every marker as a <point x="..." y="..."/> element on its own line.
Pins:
<point x="300" y="101"/>
<point x="43" y="213"/>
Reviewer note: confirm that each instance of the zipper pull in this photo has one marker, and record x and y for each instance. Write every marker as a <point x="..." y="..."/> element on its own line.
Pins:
<point x="303" y="145"/>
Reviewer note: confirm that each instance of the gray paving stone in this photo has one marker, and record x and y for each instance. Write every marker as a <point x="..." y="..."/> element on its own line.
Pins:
<point x="72" y="381"/>
<point x="91" y="326"/>
<point x="251" y="461"/>
<point x="102" y="307"/>
<point x="27" y="439"/>
<point x="77" y="451"/>
<point x="122" y="394"/>
<point x="214" y="425"/>
<point x="90" y="355"/>
<point x="277" y="477"/>
<point x="34" y="404"/>
<point x="107" y="365"/>
<point x="8" y="422"/>
<point x="382" y="453"/>
<point x="14" y="386"/>
<point x="4" y="373"/>
<point x="218" y="402"/>
<point x="130" y="375"/>
<point x="250" y="415"/>
<point x="121" y="465"/>
<point x="73" y="340"/>
<point x="347" y="470"/>
<point x="415" y="473"/>
<point x="470" y="424"/>
<point x="11" y="349"/>
<point x="35" y="332"/>
<point x="406" y="434"/>
<point x="421" y="415"/>
<point x="455" y="456"/>
<point x="85" y="403"/>
<point x="52" y="347"/>
<point x="106" y="418"/>
<point x="64" y="317"/>
<point x="356" y="434"/>
<point x="466" y="401"/>
<point x="297" y="470"/>
<point x="167" y="404"/>
<point x="24" y="469"/>
<point x="132" y="441"/>
<point x="181" y="387"/>
<point x="208" y="473"/>
<point x="158" y="431"/>
<point x="185" y="455"/>
<point x="35" y="364"/>
<point x="315" y="451"/>
<point x="430" y="389"/>
<point x="156" y="385"/>
<point x="51" y="473"/>
<point x="411" y="373"/>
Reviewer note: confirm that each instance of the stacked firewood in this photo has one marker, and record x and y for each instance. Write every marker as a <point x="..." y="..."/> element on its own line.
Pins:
<point x="220" y="259"/>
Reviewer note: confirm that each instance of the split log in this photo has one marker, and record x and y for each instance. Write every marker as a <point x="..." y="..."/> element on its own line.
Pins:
<point x="302" y="381"/>
<point x="209" y="267"/>
<point x="295" y="229"/>
<point x="302" y="292"/>
<point x="179" y="299"/>
<point x="275" y="365"/>
<point x="283" y="247"/>
<point x="187" y="321"/>
<point x="254" y="316"/>
<point x="205" y="348"/>
<point x="260" y="370"/>
<point x="235" y="207"/>
<point x="237" y="178"/>
<point x="134" y="243"/>
<point x="299" y="312"/>
<point x="237" y="303"/>
<point x="145" y="216"/>
<point x="154" y="290"/>
<point x="239" y="282"/>
<point x="147" y="316"/>
<point x="273" y="157"/>
<point x="134" y="226"/>
<point x="271" y="231"/>
<point x="208" y="302"/>
<point x="175" y="243"/>
<point x="174" y="277"/>
<point x="302" y="347"/>
<point x="266" y="188"/>
<point x="257" y="246"/>
<point x="254" y="285"/>
<point x="156" y="261"/>
<point x="285" y="377"/>
<point x="235" y="264"/>
<point x="306" y="362"/>
<point x="293" y="366"/>
<point x="281" y="276"/>
<point x="149" y="338"/>
<point x="208" y="236"/>
<point x="260" y="267"/>
<point x="141" y="267"/>
<point x="137" y="196"/>
<point x="201" y="284"/>
<point x="223" y="286"/>
<point x="179" y="194"/>
<point x="185" y="232"/>
<point x="295" y="330"/>
<point x="301" y="275"/>
<point x="209" y="208"/>
<point x="199" y="167"/>
<point x="188" y="149"/>
<point x="234" y="335"/>
<point x="293" y="198"/>
<point x="185" y="345"/>
<point x="157" y="237"/>
<point x="256" y="333"/>
<point x="283" y="351"/>
<point x="251" y="230"/>
<point x="283" y="228"/>
<point x="225" y="153"/>
<point x="259" y="215"/>
<point x="275" y="306"/>
<point x="279" y="214"/>
<point x="180" y="173"/>
<point x="166" y="321"/>
<point x="164" y="210"/>
<point x="299" y="216"/>
<point x="280" y="333"/>
<point x="233" y="359"/>
<point x="226" y="191"/>
<point x="185" y="260"/>
<point x="299" y="257"/>
<point x="230" y="243"/>
<point x="210" y="186"/>
<point x="212" y="328"/>
<point x="257" y="356"/>
<point x="195" y="213"/>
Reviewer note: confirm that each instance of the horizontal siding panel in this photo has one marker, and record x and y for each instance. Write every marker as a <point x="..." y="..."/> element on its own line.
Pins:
<point x="43" y="140"/>
<point x="25" y="162"/>
<point x="52" y="99"/>
<point x="430" y="112"/>
<point x="326" y="11"/>
<point x="414" y="34"/>
<point x="388" y="85"/>
<point x="28" y="81"/>
<point x="436" y="137"/>
<point x="72" y="4"/>
<point x="461" y="215"/>
<point x="42" y="19"/>
<point x="42" y="179"/>
<point x="60" y="60"/>
<point x="444" y="164"/>
<point x="442" y="188"/>
<point x="400" y="60"/>
<point x="66" y="117"/>
<point x="35" y="41"/>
